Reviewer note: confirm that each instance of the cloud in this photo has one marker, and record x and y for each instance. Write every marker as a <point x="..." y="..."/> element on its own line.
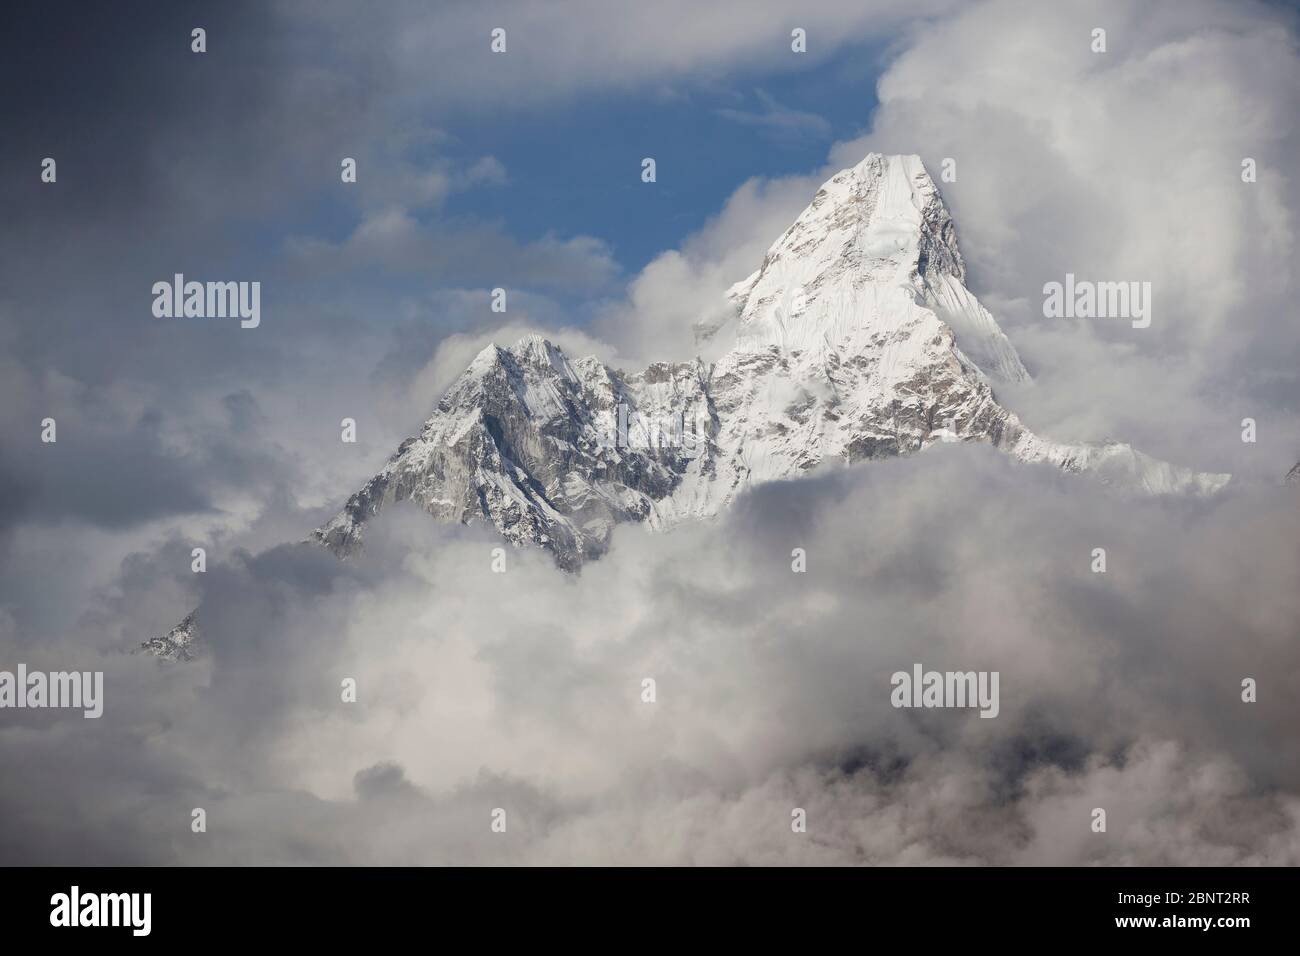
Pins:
<point x="480" y="690"/>
<point x="1117" y="166"/>
<point x="594" y="47"/>
<point x="404" y="170"/>
<point x="394" y="241"/>
<point x="779" y="121"/>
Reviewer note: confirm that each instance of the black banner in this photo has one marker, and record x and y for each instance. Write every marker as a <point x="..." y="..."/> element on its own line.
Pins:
<point x="374" y="905"/>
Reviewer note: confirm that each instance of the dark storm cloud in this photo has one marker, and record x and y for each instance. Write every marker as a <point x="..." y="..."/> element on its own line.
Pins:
<point x="102" y="480"/>
<point x="160" y="153"/>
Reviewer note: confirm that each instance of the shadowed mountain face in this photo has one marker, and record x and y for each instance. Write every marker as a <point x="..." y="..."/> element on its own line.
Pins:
<point x="856" y="338"/>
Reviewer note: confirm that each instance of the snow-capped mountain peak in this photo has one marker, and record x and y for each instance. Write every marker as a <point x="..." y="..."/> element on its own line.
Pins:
<point x="855" y="338"/>
<point x="874" y="250"/>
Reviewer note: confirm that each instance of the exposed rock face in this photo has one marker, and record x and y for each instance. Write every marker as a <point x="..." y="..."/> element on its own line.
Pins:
<point x="178" y="644"/>
<point x="527" y="440"/>
<point x="855" y="339"/>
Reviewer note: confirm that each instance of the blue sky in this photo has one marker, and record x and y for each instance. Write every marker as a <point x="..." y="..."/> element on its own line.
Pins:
<point x="572" y="168"/>
<point x="575" y="169"/>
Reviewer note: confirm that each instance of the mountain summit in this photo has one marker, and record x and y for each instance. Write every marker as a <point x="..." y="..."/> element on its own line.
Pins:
<point x="856" y="338"/>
